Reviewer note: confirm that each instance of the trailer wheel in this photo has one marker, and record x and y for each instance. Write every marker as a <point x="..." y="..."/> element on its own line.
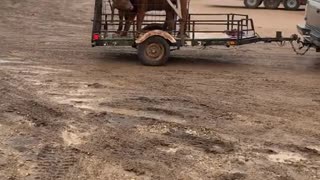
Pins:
<point x="252" y="3"/>
<point x="291" y="4"/>
<point x="154" y="26"/>
<point x="154" y="51"/>
<point x="271" y="4"/>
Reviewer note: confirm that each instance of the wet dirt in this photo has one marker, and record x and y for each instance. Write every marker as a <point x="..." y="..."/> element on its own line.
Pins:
<point x="69" y="111"/>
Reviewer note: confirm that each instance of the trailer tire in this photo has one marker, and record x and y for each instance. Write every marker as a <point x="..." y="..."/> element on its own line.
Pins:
<point x="154" y="51"/>
<point x="252" y="3"/>
<point x="154" y="26"/>
<point x="271" y="4"/>
<point x="291" y="4"/>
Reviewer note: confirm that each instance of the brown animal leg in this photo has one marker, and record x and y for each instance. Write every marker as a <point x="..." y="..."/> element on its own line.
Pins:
<point x="183" y="25"/>
<point x="121" y="16"/>
<point x="129" y="19"/>
<point x="169" y="23"/>
<point x="140" y="18"/>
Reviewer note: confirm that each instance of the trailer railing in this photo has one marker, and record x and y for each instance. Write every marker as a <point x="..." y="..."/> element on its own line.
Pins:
<point x="235" y="26"/>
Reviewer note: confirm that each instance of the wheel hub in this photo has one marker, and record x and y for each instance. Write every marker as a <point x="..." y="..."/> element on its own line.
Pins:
<point x="154" y="51"/>
<point x="292" y="3"/>
<point x="252" y="2"/>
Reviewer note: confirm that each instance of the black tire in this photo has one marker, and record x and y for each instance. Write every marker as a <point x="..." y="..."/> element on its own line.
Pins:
<point x="271" y="4"/>
<point x="151" y="27"/>
<point x="291" y="4"/>
<point x="252" y="3"/>
<point x="154" y="51"/>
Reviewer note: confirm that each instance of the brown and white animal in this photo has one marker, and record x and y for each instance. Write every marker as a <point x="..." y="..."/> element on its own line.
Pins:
<point x="140" y="7"/>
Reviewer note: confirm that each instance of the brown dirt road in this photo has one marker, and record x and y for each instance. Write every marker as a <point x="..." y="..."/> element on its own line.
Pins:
<point x="69" y="111"/>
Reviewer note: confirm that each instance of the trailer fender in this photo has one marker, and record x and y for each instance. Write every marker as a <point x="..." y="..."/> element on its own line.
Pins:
<point x="163" y="34"/>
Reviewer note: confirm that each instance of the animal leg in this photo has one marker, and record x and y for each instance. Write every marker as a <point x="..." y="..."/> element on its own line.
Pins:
<point x="129" y="17"/>
<point x="169" y="23"/>
<point x="140" y="18"/>
<point x="184" y="19"/>
<point x="121" y="16"/>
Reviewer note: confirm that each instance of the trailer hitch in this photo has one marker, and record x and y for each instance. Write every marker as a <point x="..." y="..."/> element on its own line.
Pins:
<point x="303" y="48"/>
<point x="301" y="45"/>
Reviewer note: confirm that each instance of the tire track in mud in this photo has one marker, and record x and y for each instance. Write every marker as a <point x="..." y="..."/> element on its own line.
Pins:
<point x="40" y="141"/>
<point x="147" y="146"/>
<point x="53" y="163"/>
<point x="123" y="142"/>
<point x="136" y="142"/>
<point x="171" y="108"/>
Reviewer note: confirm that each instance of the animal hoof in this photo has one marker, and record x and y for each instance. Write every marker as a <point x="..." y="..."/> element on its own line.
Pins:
<point x="182" y="36"/>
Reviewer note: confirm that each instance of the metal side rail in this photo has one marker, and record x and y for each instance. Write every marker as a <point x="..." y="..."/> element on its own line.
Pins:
<point x="251" y="40"/>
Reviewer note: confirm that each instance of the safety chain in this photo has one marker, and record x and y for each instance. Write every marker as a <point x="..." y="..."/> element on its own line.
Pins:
<point x="297" y="50"/>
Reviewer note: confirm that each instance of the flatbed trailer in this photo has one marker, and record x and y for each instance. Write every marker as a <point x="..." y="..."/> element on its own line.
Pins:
<point x="154" y="44"/>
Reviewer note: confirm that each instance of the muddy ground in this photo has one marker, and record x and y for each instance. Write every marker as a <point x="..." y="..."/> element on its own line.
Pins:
<point x="69" y="111"/>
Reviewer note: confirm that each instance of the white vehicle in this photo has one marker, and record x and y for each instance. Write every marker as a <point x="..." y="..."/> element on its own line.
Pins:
<point x="274" y="4"/>
<point x="311" y="29"/>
